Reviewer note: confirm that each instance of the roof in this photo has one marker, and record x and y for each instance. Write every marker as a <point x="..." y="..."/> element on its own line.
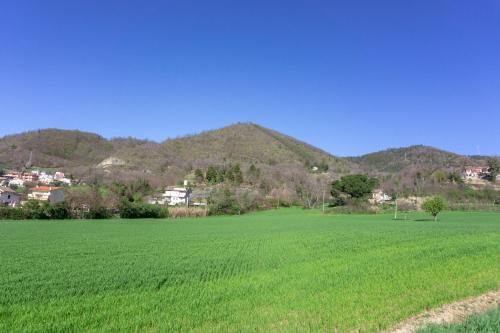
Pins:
<point x="45" y="188"/>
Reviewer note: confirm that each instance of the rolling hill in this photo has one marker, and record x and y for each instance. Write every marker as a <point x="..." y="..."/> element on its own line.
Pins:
<point x="243" y="143"/>
<point x="240" y="143"/>
<point x="396" y="160"/>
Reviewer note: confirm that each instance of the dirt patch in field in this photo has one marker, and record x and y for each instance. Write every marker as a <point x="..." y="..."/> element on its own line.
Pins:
<point x="449" y="313"/>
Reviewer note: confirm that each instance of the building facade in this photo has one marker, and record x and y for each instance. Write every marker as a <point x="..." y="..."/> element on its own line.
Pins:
<point x="47" y="193"/>
<point x="9" y="197"/>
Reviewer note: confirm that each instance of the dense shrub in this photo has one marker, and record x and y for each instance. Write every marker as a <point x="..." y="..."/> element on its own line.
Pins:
<point x="7" y="213"/>
<point x="97" y="213"/>
<point x="223" y="202"/>
<point x="434" y="206"/>
<point x="36" y="210"/>
<point x="135" y="210"/>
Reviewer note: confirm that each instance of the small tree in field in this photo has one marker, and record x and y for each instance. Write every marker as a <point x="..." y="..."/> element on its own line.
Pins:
<point x="434" y="206"/>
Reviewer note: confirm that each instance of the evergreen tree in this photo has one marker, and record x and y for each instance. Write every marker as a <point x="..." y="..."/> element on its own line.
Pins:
<point x="211" y="175"/>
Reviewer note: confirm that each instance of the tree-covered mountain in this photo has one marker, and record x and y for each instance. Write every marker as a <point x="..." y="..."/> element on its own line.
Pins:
<point x="277" y="155"/>
<point x="396" y="160"/>
<point x="245" y="144"/>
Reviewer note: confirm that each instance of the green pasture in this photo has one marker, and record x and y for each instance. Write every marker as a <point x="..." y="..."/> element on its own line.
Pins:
<point x="276" y="271"/>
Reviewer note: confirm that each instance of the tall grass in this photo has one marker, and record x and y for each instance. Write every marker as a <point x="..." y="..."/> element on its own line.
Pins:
<point x="278" y="271"/>
<point x="178" y="212"/>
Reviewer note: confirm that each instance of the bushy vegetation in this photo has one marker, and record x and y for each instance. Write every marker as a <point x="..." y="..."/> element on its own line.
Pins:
<point x="217" y="174"/>
<point x="283" y="270"/>
<point x="494" y="169"/>
<point x="224" y="202"/>
<point x="136" y="210"/>
<point x="355" y="186"/>
<point x="352" y="190"/>
<point x="488" y="322"/>
<point x="37" y="210"/>
<point x="434" y="206"/>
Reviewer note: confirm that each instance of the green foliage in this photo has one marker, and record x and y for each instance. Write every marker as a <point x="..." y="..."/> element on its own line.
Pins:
<point x="287" y="270"/>
<point x="231" y="174"/>
<point x="8" y="213"/>
<point x="133" y="191"/>
<point x="488" y="322"/>
<point x="454" y="177"/>
<point x="198" y="174"/>
<point x="322" y="166"/>
<point x="494" y="169"/>
<point x="211" y="175"/>
<point x="37" y="210"/>
<point x="440" y="177"/>
<point x="434" y="206"/>
<point x="237" y="174"/>
<point x="223" y="202"/>
<point x="253" y="174"/>
<point x="355" y="186"/>
<point x="136" y="210"/>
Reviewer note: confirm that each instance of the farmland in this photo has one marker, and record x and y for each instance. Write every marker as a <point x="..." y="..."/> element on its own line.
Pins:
<point x="284" y="270"/>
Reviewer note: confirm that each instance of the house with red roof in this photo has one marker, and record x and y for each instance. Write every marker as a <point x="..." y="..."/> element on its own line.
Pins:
<point x="51" y="194"/>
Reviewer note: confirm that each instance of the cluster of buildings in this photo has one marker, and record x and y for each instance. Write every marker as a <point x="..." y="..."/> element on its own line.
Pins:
<point x="11" y="198"/>
<point x="476" y="173"/>
<point x="45" y="188"/>
<point x="20" y="178"/>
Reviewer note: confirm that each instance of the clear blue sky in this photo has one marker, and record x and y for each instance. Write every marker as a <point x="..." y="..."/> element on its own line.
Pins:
<point x="348" y="76"/>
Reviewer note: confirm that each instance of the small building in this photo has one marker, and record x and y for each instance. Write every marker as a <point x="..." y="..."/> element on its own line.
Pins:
<point x="47" y="193"/>
<point x="379" y="196"/>
<point x="475" y="172"/>
<point x="45" y="178"/>
<point x="9" y="197"/>
<point x="176" y="196"/>
<point x="16" y="182"/>
<point x="199" y="198"/>
<point x="25" y="176"/>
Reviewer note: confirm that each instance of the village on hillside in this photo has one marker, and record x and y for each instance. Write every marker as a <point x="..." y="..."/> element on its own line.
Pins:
<point x="18" y="187"/>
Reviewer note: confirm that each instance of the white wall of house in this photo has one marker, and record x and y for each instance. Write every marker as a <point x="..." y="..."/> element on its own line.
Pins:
<point x="53" y="196"/>
<point x="176" y="196"/>
<point x="10" y="198"/>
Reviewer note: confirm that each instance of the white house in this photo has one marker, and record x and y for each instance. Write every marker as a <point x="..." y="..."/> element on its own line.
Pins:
<point x="48" y="179"/>
<point x="16" y="182"/>
<point x="176" y="196"/>
<point x="47" y="193"/>
<point x="378" y="197"/>
<point x="59" y="176"/>
<point x="9" y="197"/>
<point x="45" y="178"/>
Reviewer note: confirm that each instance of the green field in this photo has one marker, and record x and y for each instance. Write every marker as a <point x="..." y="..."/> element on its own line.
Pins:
<point x="285" y="270"/>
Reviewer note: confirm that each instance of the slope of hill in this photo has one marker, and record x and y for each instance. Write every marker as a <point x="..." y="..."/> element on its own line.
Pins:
<point x="240" y="143"/>
<point x="245" y="144"/>
<point x="54" y="148"/>
<point x="396" y="160"/>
